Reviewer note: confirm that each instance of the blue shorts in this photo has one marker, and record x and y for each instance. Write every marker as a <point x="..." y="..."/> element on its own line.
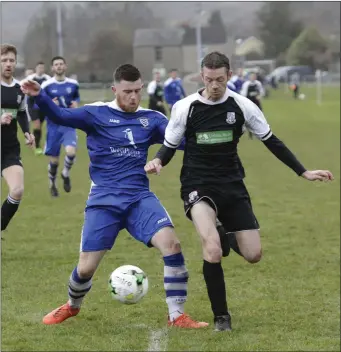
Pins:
<point x="58" y="136"/>
<point x="141" y="216"/>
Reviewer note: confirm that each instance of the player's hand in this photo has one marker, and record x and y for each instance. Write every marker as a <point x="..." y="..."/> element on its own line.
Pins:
<point x="74" y="105"/>
<point x="56" y="101"/>
<point x="30" y="140"/>
<point x="159" y="103"/>
<point x="30" y="87"/>
<point x="153" y="167"/>
<point x="6" y="118"/>
<point x="318" y="175"/>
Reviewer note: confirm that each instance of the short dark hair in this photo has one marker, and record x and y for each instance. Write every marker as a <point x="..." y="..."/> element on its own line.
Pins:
<point x="127" y="72"/>
<point x="215" y="60"/>
<point x="40" y="63"/>
<point x="8" y="48"/>
<point x="173" y="70"/>
<point x="57" y="58"/>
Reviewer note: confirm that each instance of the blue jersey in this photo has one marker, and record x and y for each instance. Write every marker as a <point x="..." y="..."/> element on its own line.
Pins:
<point x="231" y="86"/>
<point x="66" y="91"/>
<point x="238" y="83"/>
<point x="174" y="90"/>
<point x="117" y="141"/>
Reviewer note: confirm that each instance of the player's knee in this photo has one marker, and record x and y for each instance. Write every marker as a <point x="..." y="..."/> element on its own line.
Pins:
<point x="84" y="272"/>
<point x="213" y="254"/>
<point x="17" y="192"/>
<point x="70" y="151"/>
<point x="254" y="256"/>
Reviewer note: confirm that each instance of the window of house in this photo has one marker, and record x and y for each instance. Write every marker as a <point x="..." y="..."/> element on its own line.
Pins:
<point x="158" y="53"/>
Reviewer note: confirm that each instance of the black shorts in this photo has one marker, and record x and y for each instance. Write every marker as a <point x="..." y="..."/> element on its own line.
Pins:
<point x="36" y="114"/>
<point x="231" y="203"/>
<point x="10" y="158"/>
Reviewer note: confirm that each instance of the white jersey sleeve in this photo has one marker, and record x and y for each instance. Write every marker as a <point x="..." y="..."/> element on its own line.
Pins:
<point x="245" y="88"/>
<point x="176" y="127"/>
<point x="151" y="87"/>
<point x="255" y="120"/>
<point x="261" y="89"/>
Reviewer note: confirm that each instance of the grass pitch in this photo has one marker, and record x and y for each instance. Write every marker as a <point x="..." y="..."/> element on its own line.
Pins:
<point x="289" y="301"/>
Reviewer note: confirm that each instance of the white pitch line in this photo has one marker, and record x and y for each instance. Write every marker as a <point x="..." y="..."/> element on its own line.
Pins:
<point x="158" y="340"/>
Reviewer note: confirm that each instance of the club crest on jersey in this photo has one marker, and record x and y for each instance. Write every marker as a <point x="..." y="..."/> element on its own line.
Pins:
<point x="68" y="90"/>
<point x="19" y="99"/>
<point x="144" y="122"/>
<point x="193" y="197"/>
<point x="231" y="118"/>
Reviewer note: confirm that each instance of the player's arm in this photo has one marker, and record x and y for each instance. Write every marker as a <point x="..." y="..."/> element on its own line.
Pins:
<point x="174" y="134"/>
<point x="244" y="88"/>
<point x="151" y="91"/>
<point x="182" y="90"/>
<point x="76" y="98"/>
<point x="75" y="118"/>
<point x="70" y="117"/>
<point x="23" y="116"/>
<point x="161" y="132"/>
<point x="261" y="89"/>
<point x="258" y="126"/>
<point x="166" y="90"/>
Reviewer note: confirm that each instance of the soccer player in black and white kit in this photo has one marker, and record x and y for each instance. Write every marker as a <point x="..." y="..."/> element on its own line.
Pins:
<point x="212" y="121"/>
<point x="37" y="116"/>
<point x="253" y="90"/>
<point x="155" y="92"/>
<point x="13" y="109"/>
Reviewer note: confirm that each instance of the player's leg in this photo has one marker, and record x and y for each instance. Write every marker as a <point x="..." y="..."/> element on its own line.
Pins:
<point x="70" y="144"/>
<point x="36" y="123"/>
<point x="52" y="150"/>
<point x="101" y="227"/>
<point x="239" y="219"/>
<point x="13" y="173"/>
<point x="203" y="214"/>
<point x="149" y="222"/>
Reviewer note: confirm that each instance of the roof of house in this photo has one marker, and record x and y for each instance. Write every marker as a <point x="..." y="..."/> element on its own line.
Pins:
<point x="178" y="36"/>
<point x="158" y="37"/>
<point x="209" y="35"/>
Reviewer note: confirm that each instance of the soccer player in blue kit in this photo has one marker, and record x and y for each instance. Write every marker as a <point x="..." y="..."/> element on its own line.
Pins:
<point x="119" y="134"/>
<point x="65" y="93"/>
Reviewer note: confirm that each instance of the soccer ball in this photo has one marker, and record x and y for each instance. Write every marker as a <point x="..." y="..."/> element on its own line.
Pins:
<point x="301" y="96"/>
<point x="128" y="284"/>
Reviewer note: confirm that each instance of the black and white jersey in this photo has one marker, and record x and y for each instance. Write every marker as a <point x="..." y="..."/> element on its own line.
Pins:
<point x="212" y="131"/>
<point x="39" y="79"/>
<point x="13" y="101"/>
<point x="155" y="92"/>
<point x="252" y="89"/>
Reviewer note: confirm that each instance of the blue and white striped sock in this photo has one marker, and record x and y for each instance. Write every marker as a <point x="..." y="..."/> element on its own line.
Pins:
<point x="78" y="288"/>
<point x="175" y="283"/>
<point x="68" y="162"/>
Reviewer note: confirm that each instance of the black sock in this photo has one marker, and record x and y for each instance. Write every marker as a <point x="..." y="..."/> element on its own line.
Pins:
<point x="37" y="136"/>
<point x="215" y="283"/>
<point x="53" y="173"/>
<point x="8" y="209"/>
<point x="233" y="243"/>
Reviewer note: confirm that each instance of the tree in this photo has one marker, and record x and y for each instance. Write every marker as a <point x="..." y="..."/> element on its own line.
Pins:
<point x="277" y="29"/>
<point x="108" y="49"/>
<point x="310" y="49"/>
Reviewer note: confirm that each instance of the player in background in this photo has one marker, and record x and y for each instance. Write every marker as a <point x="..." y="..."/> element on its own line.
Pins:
<point x="36" y="115"/>
<point x="13" y="109"/>
<point x="155" y="92"/>
<point x="64" y="92"/>
<point x="119" y="134"/>
<point x="212" y="122"/>
<point x="173" y="88"/>
<point x="253" y="90"/>
<point x="238" y="80"/>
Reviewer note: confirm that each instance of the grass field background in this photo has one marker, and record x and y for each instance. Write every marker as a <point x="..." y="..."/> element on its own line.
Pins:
<point x="290" y="301"/>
